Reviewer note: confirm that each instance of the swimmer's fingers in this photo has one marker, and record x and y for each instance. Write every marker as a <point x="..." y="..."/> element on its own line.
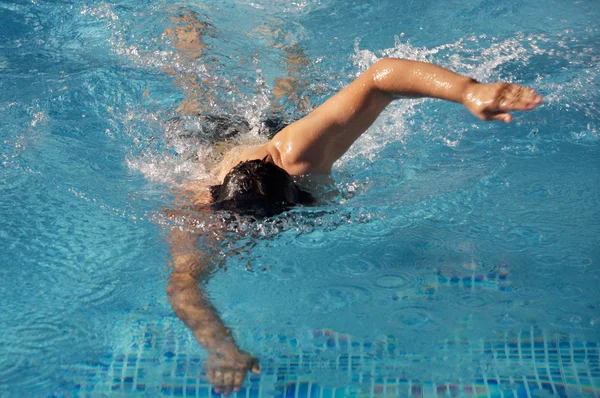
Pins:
<point x="495" y="101"/>
<point x="216" y="379"/>
<point x="224" y="381"/>
<point x="228" y="378"/>
<point x="238" y="380"/>
<point x="513" y="97"/>
<point x="226" y="372"/>
<point x="232" y="379"/>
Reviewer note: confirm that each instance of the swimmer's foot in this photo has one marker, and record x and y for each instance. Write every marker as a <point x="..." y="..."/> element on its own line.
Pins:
<point x="187" y="35"/>
<point x="495" y="101"/>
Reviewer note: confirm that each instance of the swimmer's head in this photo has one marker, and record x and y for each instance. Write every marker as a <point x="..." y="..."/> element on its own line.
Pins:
<point x="258" y="188"/>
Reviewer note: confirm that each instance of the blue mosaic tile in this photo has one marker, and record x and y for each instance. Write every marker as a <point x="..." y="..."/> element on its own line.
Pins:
<point x="558" y="365"/>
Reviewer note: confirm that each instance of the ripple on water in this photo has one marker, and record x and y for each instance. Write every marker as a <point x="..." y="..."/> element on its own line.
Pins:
<point x="378" y="230"/>
<point x="528" y="292"/>
<point x="567" y="321"/>
<point x="465" y="246"/>
<point x="10" y="365"/>
<point x="563" y="317"/>
<point x="477" y="299"/>
<point x="94" y="288"/>
<point x="356" y="265"/>
<point x="571" y="260"/>
<point x="31" y="351"/>
<point x="331" y="298"/>
<point x="316" y="240"/>
<point x="397" y="280"/>
<point x="508" y="321"/>
<point x="554" y="291"/>
<point x="520" y="238"/>
<point x="39" y="336"/>
<point x="472" y="269"/>
<point x="593" y="275"/>
<point x="290" y="270"/>
<point x="93" y="281"/>
<point x="413" y="317"/>
<point x="564" y="290"/>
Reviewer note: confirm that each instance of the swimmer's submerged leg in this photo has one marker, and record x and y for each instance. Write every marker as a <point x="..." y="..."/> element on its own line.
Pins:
<point x="187" y="36"/>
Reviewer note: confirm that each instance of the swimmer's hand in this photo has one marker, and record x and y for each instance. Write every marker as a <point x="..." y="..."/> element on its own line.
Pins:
<point x="227" y="370"/>
<point x="494" y="101"/>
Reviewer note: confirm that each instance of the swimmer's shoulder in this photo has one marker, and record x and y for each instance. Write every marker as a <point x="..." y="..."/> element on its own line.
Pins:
<point x="236" y="155"/>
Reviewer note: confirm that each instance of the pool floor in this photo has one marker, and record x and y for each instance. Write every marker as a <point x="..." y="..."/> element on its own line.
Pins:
<point x="323" y="363"/>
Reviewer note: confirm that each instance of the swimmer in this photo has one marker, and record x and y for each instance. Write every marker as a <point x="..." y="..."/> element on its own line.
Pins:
<point x="257" y="181"/>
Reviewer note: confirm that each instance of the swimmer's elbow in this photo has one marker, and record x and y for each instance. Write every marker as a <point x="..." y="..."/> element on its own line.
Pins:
<point x="388" y="64"/>
<point x="388" y="75"/>
<point x="179" y="282"/>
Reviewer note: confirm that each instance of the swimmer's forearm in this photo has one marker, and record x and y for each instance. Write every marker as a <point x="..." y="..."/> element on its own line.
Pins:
<point x="190" y="305"/>
<point x="405" y="78"/>
<point x="197" y="313"/>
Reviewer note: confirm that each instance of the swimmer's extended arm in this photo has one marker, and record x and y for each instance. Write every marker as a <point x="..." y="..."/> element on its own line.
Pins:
<point x="227" y="365"/>
<point x="314" y="143"/>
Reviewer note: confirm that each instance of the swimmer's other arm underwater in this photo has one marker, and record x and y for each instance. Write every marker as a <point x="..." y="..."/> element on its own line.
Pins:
<point x="257" y="181"/>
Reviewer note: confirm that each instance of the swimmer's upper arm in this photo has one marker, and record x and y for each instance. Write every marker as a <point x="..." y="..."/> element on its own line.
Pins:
<point x="188" y="261"/>
<point x="313" y="143"/>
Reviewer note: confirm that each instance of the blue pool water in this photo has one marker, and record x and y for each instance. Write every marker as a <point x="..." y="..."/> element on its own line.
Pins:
<point x="455" y="257"/>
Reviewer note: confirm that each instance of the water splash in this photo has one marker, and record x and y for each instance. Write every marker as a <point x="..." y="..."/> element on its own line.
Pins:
<point x="524" y="58"/>
<point x="404" y="135"/>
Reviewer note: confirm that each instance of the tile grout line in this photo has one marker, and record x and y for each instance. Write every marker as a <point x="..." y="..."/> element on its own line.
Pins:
<point x="545" y="339"/>
<point x="573" y="365"/>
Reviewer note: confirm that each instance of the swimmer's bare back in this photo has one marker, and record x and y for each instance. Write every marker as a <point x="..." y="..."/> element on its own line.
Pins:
<point x="313" y="143"/>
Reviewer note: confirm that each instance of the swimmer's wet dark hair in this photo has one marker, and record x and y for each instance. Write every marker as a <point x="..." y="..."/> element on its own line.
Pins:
<point x="258" y="188"/>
